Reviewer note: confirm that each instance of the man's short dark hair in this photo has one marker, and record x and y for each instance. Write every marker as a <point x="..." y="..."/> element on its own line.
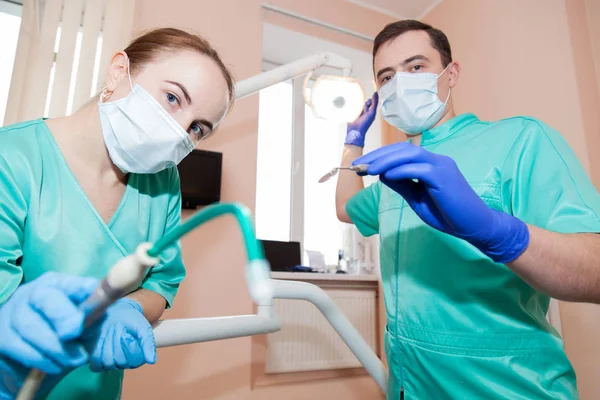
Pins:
<point x="439" y="41"/>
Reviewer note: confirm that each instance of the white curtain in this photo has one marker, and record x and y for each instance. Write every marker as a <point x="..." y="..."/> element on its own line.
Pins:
<point x="63" y="53"/>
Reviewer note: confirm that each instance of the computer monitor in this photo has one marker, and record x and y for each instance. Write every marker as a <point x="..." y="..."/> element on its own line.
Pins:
<point x="200" y="175"/>
<point x="282" y="256"/>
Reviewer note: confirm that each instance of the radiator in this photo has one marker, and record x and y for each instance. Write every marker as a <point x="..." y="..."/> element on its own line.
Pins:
<point x="307" y="342"/>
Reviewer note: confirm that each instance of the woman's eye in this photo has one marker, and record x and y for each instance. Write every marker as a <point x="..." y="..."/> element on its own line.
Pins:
<point x="197" y="131"/>
<point x="172" y="99"/>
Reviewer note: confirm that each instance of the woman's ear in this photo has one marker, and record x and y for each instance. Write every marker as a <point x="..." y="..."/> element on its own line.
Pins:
<point x="117" y="70"/>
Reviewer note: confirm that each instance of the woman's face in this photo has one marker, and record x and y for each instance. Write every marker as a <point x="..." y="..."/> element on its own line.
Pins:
<point x="189" y="85"/>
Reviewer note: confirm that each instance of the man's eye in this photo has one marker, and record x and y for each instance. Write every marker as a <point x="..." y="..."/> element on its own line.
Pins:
<point x="385" y="79"/>
<point x="416" y="68"/>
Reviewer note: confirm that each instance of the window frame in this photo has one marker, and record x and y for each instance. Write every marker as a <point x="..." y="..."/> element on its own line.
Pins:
<point x="11" y="7"/>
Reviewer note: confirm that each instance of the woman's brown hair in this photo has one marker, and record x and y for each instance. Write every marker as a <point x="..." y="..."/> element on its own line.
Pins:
<point x="147" y="47"/>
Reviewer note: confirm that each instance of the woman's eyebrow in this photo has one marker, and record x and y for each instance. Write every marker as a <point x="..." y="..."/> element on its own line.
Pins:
<point x="186" y="94"/>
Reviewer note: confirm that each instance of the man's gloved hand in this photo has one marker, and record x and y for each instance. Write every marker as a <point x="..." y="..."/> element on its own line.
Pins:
<point x="126" y="339"/>
<point x="37" y="326"/>
<point x="443" y="199"/>
<point x="357" y="130"/>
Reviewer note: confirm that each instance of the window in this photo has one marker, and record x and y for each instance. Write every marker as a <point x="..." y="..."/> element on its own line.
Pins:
<point x="10" y="22"/>
<point x="323" y="144"/>
<point x="295" y="149"/>
<point x="274" y="158"/>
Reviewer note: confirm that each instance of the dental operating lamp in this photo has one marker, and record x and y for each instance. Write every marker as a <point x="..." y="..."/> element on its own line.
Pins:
<point x="336" y="98"/>
<point x="339" y="96"/>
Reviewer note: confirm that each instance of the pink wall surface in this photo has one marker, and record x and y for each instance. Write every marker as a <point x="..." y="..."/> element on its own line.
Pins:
<point x="538" y="58"/>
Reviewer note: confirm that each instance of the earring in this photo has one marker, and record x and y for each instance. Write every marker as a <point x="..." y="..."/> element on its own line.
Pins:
<point x="104" y="94"/>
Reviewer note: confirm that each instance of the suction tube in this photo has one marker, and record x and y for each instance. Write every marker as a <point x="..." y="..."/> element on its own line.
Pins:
<point x="128" y="273"/>
<point x="240" y="212"/>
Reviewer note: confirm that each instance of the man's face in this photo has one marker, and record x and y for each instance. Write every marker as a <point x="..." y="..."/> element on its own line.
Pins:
<point x="412" y="52"/>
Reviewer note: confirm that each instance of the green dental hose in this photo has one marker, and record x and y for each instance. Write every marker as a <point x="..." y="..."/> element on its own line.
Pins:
<point x="240" y="212"/>
<point x="106" y="294"/>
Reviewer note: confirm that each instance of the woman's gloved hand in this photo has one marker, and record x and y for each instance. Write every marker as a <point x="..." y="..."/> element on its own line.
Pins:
<point x="126" y="339"/>
<point x="443" y="199"/>
<point x="357" y="130"/>
<point x="37" y="326"/>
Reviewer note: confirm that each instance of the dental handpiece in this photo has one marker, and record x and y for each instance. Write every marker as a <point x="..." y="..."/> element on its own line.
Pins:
<point x="124" y="277"/>
<point x="360" y="168"/>
<point x="93" y="307"/>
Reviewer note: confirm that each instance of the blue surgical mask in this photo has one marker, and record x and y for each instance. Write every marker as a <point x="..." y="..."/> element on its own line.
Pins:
<point x="410" y="101"/>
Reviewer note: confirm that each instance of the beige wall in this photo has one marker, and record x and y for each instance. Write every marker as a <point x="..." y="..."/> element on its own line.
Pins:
<point x="214" y="258"/>
<point x="535" y="58"/>
<point x="516" y="60"/>
<point x="593" y="17"/>
<point x="584" y="41"/>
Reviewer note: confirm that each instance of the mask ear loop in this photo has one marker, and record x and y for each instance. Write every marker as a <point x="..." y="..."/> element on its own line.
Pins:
<point x="448" y="97"/>
<point x="129" y="72"/>
<point x="449" y="89"/>
<point x="445" y="69"/>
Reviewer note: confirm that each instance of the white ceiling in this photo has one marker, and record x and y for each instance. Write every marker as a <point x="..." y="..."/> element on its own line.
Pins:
<point x="400" y="9"/>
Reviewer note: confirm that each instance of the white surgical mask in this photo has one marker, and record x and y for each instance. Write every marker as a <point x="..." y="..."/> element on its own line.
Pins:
<point x="140" y="135"/>
<point x="410" y="101"/>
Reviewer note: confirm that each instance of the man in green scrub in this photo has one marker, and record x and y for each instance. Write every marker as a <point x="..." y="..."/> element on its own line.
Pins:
<point x="480" y="224"/>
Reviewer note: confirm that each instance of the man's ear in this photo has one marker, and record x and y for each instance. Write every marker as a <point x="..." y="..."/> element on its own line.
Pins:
<point x="453" y="74"/>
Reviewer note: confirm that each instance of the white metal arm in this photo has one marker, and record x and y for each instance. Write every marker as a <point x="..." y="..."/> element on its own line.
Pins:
<point x="292" y="70"/>
<point x="176" y="332"/>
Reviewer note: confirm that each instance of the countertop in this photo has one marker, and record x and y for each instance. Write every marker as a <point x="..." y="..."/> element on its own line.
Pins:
<point x="315" y="276"/>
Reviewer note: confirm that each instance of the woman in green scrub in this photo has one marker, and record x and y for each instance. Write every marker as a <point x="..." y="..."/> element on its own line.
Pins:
<point x="79" y="193"/>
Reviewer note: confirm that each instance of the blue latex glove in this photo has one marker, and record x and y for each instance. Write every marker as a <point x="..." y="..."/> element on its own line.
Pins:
<point x="37" y="326"/>
<point x="443" y="199"/>
<point x="126" y="339"/>
<point x="357" y="130"/>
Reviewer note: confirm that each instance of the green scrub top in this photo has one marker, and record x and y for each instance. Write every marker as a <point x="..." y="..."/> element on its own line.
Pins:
<point x="47" y="223"/>
<point x="460" y="326"/>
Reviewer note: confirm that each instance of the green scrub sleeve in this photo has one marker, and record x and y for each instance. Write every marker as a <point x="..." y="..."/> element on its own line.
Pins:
<point x="164" y="278"/>
<point x="13" y="211"/>
<point x="544" y="184"/>
<point x="363" y="209"/>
